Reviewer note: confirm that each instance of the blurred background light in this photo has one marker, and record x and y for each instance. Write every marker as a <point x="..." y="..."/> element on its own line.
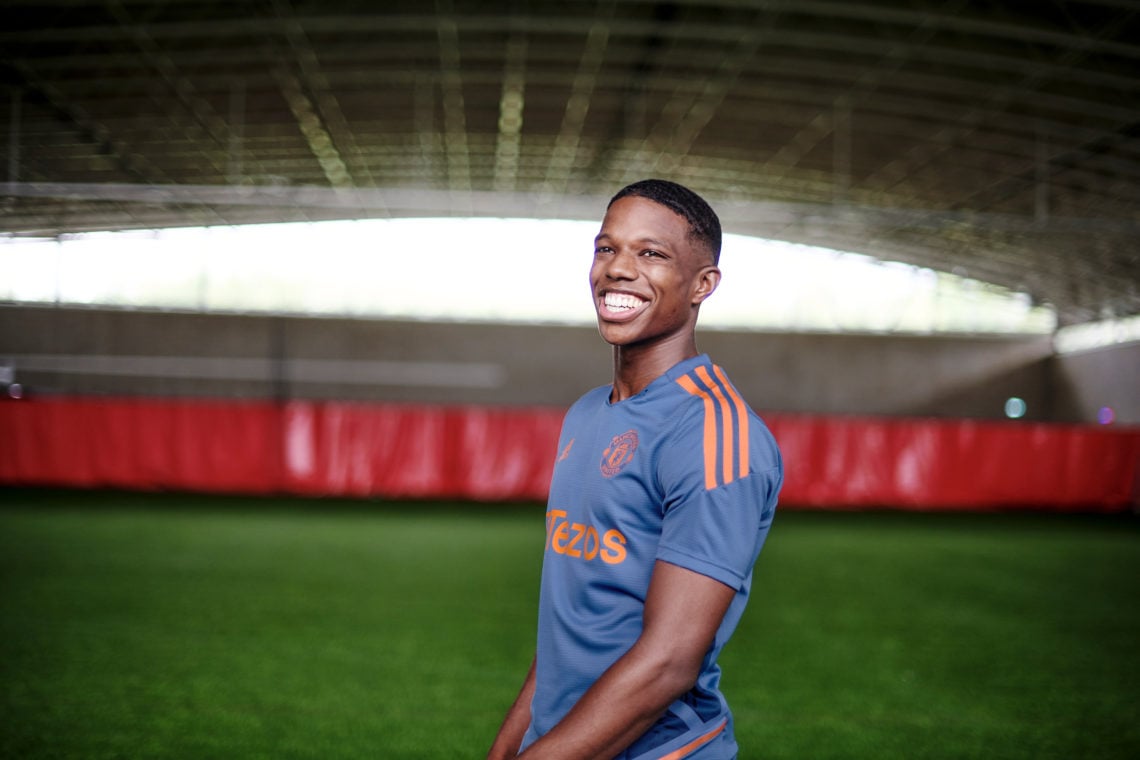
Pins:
<point x="1015" y="408"/>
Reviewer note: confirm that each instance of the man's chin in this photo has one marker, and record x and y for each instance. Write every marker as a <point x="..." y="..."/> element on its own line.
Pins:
<point x="612" y="333"/>
<point x="619" y="334"/>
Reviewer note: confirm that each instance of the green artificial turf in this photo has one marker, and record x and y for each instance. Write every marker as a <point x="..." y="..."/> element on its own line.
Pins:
<point x="941" y="636"/>
<point x="195" y="627"/>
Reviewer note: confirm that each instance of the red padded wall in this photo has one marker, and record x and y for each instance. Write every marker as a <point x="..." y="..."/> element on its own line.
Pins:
<point x="141" y="443"/>
<point x="418" y="451"/>
<point x="488" y="453"/>
<point x="947" y="464"/>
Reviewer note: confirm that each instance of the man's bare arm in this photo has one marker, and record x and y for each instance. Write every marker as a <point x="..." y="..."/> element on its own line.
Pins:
<point x="510" y="736"/>
<point x="683" y="610"/>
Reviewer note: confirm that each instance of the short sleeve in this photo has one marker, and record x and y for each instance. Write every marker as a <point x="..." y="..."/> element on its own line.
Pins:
<point x="720" y="493"/>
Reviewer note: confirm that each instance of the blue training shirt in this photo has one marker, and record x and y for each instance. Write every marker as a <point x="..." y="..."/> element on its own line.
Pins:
<point x="683" y="472"/>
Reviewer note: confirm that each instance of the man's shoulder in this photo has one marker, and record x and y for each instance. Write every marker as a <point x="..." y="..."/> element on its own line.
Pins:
<point x="593" y="397"/>
<point x="589" y="402"/>
<point x="714" y="408"/>
<point x="702" y="381"/>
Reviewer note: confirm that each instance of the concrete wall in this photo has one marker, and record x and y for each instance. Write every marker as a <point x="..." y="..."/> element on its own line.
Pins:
<point x="1104" y="377"/>
<point x="75" y="350"/>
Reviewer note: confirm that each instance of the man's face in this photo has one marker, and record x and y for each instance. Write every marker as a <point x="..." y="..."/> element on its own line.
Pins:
<point x="647" y="276"/>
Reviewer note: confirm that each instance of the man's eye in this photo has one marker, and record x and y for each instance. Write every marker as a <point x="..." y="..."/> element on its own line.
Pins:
<point x="602" y="249"/>
<point x="652" y="253"/>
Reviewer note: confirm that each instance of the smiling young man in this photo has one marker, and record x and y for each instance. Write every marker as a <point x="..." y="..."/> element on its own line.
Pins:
<point x="662" y="495"/>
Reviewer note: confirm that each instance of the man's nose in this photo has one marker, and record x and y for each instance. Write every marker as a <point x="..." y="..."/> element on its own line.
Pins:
<point x="622" y="266"/>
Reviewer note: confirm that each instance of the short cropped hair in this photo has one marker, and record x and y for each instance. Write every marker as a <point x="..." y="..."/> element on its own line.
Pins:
<point x="704" y="225"/>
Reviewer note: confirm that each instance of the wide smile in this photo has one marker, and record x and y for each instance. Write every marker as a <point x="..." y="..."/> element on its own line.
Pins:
<point x="620" y="307"/>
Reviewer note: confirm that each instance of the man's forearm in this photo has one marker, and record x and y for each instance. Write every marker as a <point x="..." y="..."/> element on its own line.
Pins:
<point x="621" y="706"/>
<point x="510" y="736"/>
<point x="683" y="610"/>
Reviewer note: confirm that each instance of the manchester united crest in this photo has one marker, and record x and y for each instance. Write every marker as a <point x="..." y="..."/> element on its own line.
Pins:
<point x="619" y="453"/>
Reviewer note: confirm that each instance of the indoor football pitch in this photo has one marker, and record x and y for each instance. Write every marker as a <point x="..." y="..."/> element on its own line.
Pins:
<point x="176" y="626"/>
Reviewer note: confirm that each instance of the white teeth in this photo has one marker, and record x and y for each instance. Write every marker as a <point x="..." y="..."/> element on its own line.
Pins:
<point x="622" y="301"/>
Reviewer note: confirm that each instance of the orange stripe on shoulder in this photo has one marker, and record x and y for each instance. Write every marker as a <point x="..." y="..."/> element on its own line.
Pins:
<point x="687" y="383"/>
<point x="727" y="427"/>
<point x="700" y="741"/>
<point x="741" y="414"/>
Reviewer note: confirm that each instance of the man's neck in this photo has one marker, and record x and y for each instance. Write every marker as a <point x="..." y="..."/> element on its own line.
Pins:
<point x="635" y="367"/>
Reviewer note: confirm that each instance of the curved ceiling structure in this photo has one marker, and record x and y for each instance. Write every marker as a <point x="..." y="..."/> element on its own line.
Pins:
<point x="999" y="141"/>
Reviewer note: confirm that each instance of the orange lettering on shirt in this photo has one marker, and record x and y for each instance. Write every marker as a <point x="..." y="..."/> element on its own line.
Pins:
<point x="581" y="541"/>
<point x="552" y="517"/>
<point x="579" y="531"/>
<point x="589" y="550"/>
<point x="558" y="540"/>
<point x="614" y="553"/>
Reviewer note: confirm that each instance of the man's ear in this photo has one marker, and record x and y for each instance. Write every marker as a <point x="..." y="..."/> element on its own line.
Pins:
<point x="707" y="280"/>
